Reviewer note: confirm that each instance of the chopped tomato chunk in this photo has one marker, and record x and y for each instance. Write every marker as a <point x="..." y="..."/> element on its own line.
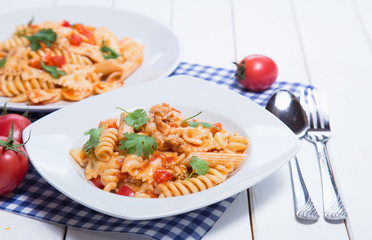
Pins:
<point x="75" y="40"/>
<point x="97" y="182"/>
<point x="126" y="191"/>
<point x="36" y="64"/>
<point x="58" y="61"/>
<point x="214" y="129"/>
<point x="66" y="24"/>
<point x="162" y="176"/>
<point x="88" y="32"/>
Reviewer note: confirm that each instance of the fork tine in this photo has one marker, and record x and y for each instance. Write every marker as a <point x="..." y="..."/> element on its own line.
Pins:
<point x="310" y="108"/>
<point x="324" y="107"/>
<point x="318" y="111"/>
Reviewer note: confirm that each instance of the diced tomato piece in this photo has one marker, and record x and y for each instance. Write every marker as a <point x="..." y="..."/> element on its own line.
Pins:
<point x="97" y="182"/>
<point x="43" y="46"/>
<point x="75" y="40"/>
<point x="126" y="191"/>
<point x="151" y="194"/>
<point x="66" y="24"/>
<point x="112" y="124"/>
<point x="168" y="161"/>
<point x="47" y="59"/>
<point x="58" y="61"/>
<point x="36" y="64"/>
<point x="157" y="155"/>
<point x="88" y="32"/>
<point x="214" y="129"/>
<point x="162" y="176"/>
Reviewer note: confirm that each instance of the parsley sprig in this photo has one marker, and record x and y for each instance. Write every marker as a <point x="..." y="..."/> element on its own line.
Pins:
<point x="108" y="53"/>
<point x="52" y="70"/>
<point x="137" y="118"/>
<point x="93" y="140"/>
<point x="199" y="166"/>
<point x="136" y="144"/>
<point x="196" y="124"/>
<point x="47" y="36"/>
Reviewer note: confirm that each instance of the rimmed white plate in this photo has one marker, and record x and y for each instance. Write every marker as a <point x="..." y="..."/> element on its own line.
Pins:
<point x="271" y="143"/>
<point x="162" y="47"/>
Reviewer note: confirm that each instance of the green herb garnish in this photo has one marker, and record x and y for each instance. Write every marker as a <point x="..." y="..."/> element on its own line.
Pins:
<point x="47" y="36"/>
<point x="137" y="118"/>
<point x="29" y="24"/>
<point x="108" y="53"/>
<point x="137" y="144"/>
<point x="2" y="62"/>
<point x="93" y="140"/>
<point x="52" y="70"/>
<point x="199" y="166"/>
<point x="196" y="124"/>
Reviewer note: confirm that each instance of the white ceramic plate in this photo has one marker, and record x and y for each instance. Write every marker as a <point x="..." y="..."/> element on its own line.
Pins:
<point x="271" y="143"/>
<point x="162" y="47"/>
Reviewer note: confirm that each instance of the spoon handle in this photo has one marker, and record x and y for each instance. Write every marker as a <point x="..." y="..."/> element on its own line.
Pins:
<point x="304" y="207"/>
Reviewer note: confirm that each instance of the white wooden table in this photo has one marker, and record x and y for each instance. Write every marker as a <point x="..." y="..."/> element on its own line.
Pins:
<point x="326" y="43"/>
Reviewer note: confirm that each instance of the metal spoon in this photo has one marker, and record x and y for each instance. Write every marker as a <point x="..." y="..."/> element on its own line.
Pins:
<point x="285" y="106"/>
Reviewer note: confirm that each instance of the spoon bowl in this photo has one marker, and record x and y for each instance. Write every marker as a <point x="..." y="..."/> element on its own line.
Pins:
<point x="285" y="106"/>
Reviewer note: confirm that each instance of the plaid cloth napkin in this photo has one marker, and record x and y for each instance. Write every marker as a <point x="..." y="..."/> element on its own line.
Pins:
<point x="38" y="199"/>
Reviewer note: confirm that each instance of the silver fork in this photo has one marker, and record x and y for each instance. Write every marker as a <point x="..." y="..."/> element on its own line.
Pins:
<point x="319" y="133"/>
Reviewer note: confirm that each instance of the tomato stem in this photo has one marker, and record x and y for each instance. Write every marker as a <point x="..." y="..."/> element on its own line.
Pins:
<point x="240" y="71"/>
<point x="9" y="143"/>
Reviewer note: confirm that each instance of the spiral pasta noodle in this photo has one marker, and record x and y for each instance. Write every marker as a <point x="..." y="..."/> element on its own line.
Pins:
<point x="106" y="145"/>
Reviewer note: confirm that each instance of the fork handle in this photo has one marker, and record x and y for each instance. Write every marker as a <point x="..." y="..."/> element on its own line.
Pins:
<point x="304" y="207"/>
<point x="332" y="204"/>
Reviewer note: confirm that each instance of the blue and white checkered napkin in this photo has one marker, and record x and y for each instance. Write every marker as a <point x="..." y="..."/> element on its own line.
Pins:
<point x="38" y="199"/>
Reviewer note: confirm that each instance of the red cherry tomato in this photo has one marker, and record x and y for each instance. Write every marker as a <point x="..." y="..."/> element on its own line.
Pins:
<point x="13" y="165"/>
<point x="126" y="191"/>
<point x="256" y="72"/>
<point x="19" y="123"/>
<point x="162" y="176"/>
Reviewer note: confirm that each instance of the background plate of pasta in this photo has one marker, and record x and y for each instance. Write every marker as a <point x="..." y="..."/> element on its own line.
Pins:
<point x="150" y="150"/>
<point x="52" y="57"/>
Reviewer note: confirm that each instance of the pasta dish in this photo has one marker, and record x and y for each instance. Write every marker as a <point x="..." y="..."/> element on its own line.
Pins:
<point x="159" y="154"/>
<point x="52" y="61"/>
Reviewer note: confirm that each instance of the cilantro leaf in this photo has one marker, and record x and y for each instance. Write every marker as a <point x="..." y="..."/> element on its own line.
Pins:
<point x="52" y="70"/>
<point x="137" y="118"/>
<point x="93" y="141"/>
<point x="136" y="143"/>
<point x="108" y="52"/>
<point x="196" y="124"/>
<point x="47" y="36"/>
<point x="199" y="166"/>
<point x="2" y="62"/>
